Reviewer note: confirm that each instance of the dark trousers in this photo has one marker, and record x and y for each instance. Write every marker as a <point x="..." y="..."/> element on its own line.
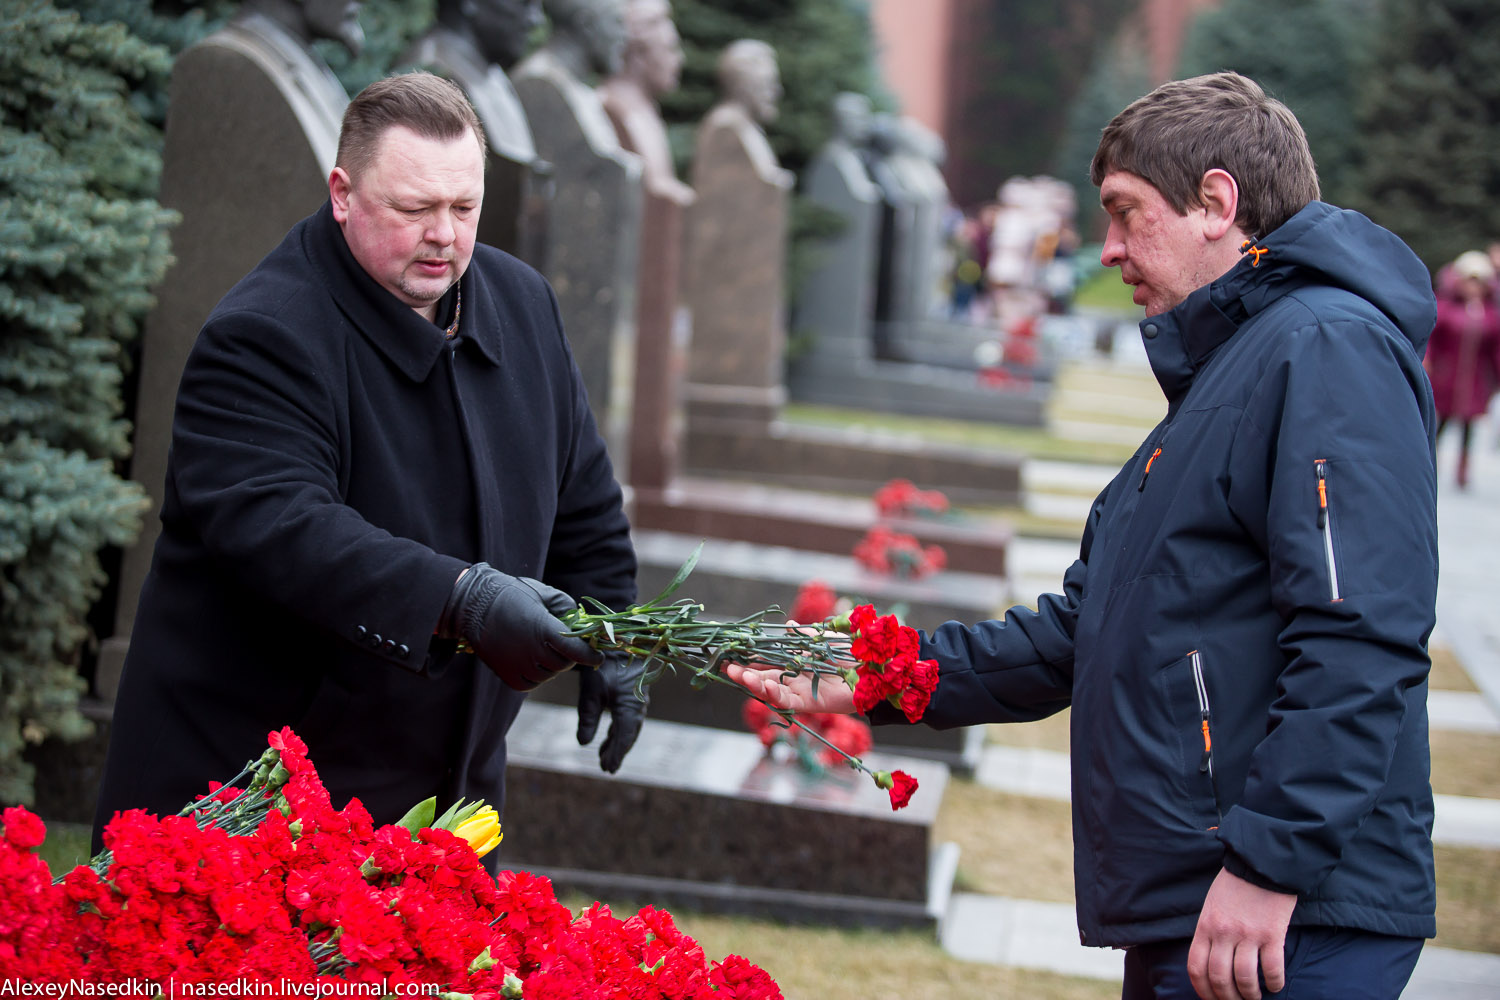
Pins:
<point x="1322" y="963"/>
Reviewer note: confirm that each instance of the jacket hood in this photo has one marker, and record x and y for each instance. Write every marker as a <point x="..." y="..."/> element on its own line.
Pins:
<point x="1336" y="247"/>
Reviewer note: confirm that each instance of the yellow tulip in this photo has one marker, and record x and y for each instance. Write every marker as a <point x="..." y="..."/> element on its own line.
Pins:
<point x="481" y="830"/>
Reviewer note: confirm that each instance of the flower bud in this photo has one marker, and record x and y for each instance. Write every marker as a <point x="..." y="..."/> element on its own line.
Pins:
<point x="481" y="830"/>
<point x="482" y="961"/>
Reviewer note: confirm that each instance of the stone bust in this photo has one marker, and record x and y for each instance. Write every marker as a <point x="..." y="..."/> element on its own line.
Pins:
<point x="498" y="30"/>
<point x="851" y="119"/>
<point x="588" y="36"/>
<point x="473" y="43"/>
<point x="309" y="20"/>
<point x="750" y="87"/>
<point x="750" y="79"/>
<point x="651" y="66"/>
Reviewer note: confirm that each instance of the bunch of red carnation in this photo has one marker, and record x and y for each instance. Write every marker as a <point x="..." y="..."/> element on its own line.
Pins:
<point x="889" y="669"/>
<point x="314" y="894"/>
<point x="902" y="498"/>
<point x="884" y="550"/>
<point x="827" y="738"/>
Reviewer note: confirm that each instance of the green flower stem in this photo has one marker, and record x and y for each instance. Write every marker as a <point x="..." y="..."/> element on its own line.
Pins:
<point x="670" y="637"/>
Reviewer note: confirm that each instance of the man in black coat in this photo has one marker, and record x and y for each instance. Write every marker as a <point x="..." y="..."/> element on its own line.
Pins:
<point x="382" y="457"/>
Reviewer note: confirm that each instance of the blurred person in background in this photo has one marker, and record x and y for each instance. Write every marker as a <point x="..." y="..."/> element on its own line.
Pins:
<point x="1463" y="356"/>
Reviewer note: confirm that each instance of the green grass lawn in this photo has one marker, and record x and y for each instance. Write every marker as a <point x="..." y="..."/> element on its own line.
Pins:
<point x="1034" y="442"/>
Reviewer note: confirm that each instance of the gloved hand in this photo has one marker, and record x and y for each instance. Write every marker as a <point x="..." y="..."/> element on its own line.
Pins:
<point x="511" y="624"/>
<point x="612" y="686"/>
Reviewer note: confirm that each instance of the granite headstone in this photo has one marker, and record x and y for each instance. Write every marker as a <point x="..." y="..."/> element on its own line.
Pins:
<point x="834" y="308"/>
<point x="704" y="818"/>
<point x="737" y="236"/>
<point x="593" y="227"/>
<point x="649" y="68"/>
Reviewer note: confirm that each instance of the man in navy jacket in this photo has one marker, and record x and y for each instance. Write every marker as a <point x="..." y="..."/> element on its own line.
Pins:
<point x="1243" y="639"/>
<point x="382" y="456"/>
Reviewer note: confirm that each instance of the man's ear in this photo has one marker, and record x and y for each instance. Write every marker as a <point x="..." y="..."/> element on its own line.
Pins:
<point x="1221" y="202"/>
<point x="339" y="189"/>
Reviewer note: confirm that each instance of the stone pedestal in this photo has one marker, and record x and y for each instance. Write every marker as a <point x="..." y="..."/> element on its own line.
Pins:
<point x="737" y="257"/>
<point x="703" y="818"/>
<point x="593" y="235"/>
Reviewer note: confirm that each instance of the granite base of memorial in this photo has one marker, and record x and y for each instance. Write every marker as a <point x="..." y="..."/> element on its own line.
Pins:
<point x="705" y="819"/>
<point x="822" y="522"/>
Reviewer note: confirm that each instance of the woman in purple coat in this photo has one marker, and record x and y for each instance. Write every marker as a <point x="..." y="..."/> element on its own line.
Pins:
<point x="1463" y="356"/>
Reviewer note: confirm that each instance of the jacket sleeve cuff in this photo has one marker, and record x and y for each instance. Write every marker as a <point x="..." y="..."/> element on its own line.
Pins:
<point x="1236" y="866"/>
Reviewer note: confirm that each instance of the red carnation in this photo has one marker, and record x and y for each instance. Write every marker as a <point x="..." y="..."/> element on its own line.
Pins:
<point x="815" y="602"/>
<point x="902" y="787"/>
<point x="23" y="828"/>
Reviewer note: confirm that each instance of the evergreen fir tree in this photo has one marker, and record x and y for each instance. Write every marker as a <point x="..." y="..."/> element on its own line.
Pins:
<point x="1431" y="127"/>
<point x="82" y="244"/>
<point x="1312" y="55"/>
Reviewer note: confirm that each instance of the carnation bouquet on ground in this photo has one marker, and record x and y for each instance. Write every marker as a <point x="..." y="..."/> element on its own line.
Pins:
<point x="269" y="890"/>
<point x="875" y="655"/>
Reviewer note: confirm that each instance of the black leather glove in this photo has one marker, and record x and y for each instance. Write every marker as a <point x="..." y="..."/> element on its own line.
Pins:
<point x="612" y="686"/>
<point x="511" y="624"/>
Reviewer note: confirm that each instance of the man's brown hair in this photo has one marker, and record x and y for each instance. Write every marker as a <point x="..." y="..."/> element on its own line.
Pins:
<point x="430" y="106"/>
<point x="1185" y="128"/>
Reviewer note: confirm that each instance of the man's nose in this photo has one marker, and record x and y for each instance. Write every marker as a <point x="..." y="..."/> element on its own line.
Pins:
<point x="441" y="229"/>
<point x="1112" y="253"/>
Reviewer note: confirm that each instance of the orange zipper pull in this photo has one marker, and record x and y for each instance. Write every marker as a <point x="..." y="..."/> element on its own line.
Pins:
<point x="1149" y="461"/>
<point x="1322" y="493"/>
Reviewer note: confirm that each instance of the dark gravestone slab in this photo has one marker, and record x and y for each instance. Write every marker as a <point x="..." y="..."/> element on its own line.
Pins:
<point x="737" y="251"/>
<point x="851" y="460"/>
<point x="829" y="523"/>
<point x="68" y="774"/>
<point x="704" y="818"/>
<point x="592" y="236"/>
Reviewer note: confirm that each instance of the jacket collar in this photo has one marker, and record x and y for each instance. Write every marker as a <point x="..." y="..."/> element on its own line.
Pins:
<point x="1180" y="340"/>
<point x="407" y="340"/>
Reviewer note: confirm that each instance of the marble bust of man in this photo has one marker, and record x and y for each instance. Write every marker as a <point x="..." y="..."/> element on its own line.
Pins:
<point x="651" y="66"/>
<point x="587" y="42"/>
<point x="587" y="39"/>
<point x="749" y="89"/>
<point x="280" y="33"/>
<point x="474" y="43"/>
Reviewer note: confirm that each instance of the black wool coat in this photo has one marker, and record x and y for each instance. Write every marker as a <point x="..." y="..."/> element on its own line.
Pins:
<point x="334" y="465"/>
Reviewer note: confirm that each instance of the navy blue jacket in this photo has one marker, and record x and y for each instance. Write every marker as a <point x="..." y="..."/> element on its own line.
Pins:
<point x="334" y="465"/>
<point x="1260" y="578"/>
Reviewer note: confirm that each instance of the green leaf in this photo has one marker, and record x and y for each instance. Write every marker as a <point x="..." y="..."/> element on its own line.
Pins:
<point x="609" y="629"/>
<point x="682" y="574"/>
<point x="419" y="815"/>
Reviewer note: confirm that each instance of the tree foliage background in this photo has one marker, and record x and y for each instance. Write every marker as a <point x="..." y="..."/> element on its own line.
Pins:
<point x="1312" y="55"/>
<point x="81" y="244"/>
<point x="1429" y="118"/>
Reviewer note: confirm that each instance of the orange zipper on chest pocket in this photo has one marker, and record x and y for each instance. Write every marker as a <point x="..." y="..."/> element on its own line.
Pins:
<point x="1325" y="528"/>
